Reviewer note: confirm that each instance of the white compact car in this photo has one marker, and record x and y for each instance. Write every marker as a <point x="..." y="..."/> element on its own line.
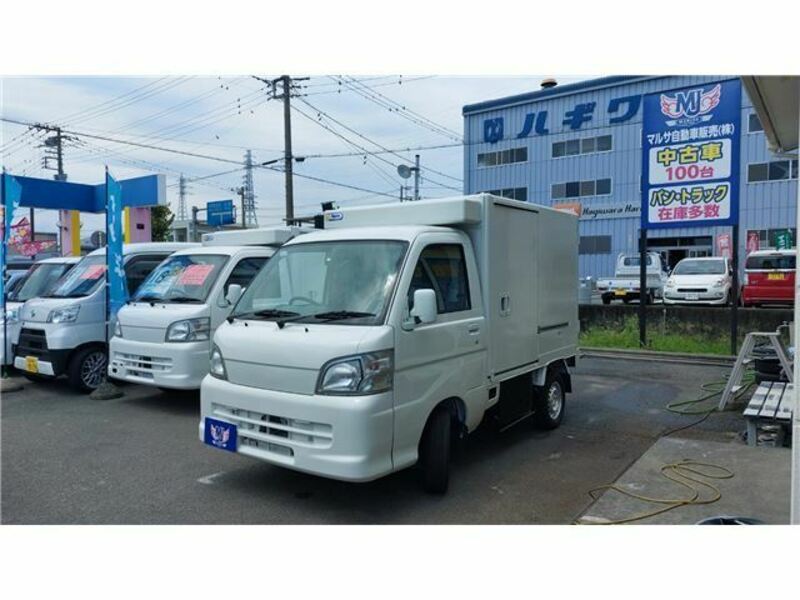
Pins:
<point x="705" y="280"/>
<point x="39" y="279"/>
<point x="63" y="332"/>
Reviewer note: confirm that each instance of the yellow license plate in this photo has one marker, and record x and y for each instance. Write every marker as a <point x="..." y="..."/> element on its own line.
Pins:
<point x="31" y="364"/>
<point x="620" y="292"/>
<point x="775" y="276"/>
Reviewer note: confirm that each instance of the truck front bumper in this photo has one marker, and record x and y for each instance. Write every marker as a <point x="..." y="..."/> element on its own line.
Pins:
<point x="33" y="352"/>
<point x="341" y="437"/>
<point x="710" y="296"/>
<point x="178" y="366"/>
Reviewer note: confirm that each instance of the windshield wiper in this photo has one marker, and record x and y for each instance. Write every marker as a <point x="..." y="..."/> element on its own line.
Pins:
<point x="181" y="299"/>
<point x="336" y="315"/>
<point x="267" y="313"/>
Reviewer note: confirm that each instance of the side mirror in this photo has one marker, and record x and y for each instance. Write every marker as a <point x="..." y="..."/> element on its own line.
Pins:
<point x="234" y="293"/>
<point x="424" y="310"/>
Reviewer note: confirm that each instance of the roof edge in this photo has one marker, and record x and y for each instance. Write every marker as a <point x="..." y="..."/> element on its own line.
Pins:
<point x="554" y="92"/>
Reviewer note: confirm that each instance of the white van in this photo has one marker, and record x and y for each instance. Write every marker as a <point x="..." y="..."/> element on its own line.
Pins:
<point x="163" y="336"/>
<point x="63" y="332"/>
<point x="367" y="347"/>
<point x="38" y="280"/>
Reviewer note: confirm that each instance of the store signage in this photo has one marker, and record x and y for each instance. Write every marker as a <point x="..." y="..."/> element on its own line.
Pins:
<point x="783" y="240"/>
<point x="724" y="245"/>
<point x="690" y="156"/>
<point x="599" y="212"/>
<point x="753" y="241"/>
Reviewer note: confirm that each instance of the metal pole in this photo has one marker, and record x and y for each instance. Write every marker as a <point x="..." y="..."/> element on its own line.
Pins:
<point x="795" y="477"/>
<point x="244" y="216"/>
<point x="416" y="177"/>
<point x="3" y="269"/>
<point x="287" y="142"/>
<point x="735" y="290"/>
<point x="193" y="228"/>
<point x="642" y="287"/>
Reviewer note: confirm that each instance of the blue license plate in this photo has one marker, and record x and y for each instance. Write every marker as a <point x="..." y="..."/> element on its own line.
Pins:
<point x="220" y="434"/>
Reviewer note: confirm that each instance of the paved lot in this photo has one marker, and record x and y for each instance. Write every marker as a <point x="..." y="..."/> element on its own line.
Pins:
<point x="69" y="459"/>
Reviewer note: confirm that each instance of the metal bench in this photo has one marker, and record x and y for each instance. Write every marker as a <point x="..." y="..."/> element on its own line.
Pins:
<point x="771" y="405"/>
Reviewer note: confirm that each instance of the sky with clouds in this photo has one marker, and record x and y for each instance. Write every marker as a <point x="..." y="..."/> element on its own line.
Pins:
<point x="221" y="117"/>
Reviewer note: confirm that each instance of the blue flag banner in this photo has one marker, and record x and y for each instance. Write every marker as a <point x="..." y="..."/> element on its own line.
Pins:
<point x="117" y="291"/>
<point x="690" y="156"/>
<point x="11" y="191"/>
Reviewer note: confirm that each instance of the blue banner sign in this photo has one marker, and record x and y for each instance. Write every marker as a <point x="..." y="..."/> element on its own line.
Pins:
<point x="10" y="193"/>
<point x="117" y="290"/>
<point x="690" y="156"/>
<point x="219" y="212"/>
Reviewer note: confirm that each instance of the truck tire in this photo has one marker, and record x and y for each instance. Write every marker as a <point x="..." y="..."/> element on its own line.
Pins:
<point x="549" y="402"/>
<point x="434" y="452"/>
<point x="606" y="299"/>
<point x="87" y="369"/>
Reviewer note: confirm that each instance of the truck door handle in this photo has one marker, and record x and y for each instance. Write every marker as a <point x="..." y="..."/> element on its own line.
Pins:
<point x="474" y="328"/>
<point x="505" y="305"/>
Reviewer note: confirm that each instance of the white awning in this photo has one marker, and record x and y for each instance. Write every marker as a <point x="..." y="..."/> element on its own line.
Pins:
<point x="777" y="102"/>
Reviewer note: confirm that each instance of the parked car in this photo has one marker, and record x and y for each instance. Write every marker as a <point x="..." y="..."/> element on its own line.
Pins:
<point x="769" y="277"/>
<point x="625" y="283"/>
<point x="63" y="332"/>
<point x="371" y="346"/>
<point x="42" y="276"/>
<point x="162" y="338"/>
<point x="704" y="280"/>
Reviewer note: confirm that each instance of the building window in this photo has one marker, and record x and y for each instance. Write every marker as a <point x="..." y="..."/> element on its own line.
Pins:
<point x="754" y="124"/>
<point x="578" y="189"/>
<point x="766" y="237"/>
<point x="776" y="170"/>
<point x="502" y="157"/>
<point x="520" y="193"/>
<point x="574" y="147"/>
<point x="594" y="244"/>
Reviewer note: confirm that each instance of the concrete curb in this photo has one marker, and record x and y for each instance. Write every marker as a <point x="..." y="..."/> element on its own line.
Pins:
<point x="652" y="355"/>
<point x="7" y="384"/>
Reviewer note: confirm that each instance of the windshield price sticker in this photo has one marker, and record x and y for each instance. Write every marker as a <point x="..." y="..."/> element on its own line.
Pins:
<point x="195" y="274"/>
<point x="93" y="272"/>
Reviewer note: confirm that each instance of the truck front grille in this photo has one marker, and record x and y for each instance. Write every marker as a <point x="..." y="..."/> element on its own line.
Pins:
<point x="142" y="365"/>
<point x="275" y="433"/>
<point x="32" y="342"/>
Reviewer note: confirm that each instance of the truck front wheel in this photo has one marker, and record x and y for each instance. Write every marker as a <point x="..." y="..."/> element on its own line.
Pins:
<point x="550" y="401"/>
<point x="87" y="369"/>
<point x="606" y="299"/>
<point x="434" y="451"/>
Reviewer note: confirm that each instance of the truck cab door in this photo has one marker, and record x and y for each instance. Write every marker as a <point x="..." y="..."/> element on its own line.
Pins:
<point x="242" y="273"/>
<point x="446" y="358"/>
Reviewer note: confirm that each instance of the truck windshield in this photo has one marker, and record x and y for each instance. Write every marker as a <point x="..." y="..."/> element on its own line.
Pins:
<point x="39" y="280"/>
<point x="82" y="280"/>
<point x="770" y="263"/>
<point x="183" y="278"/>
<point x="700" y="267"/>
<point x="325" y="282"/>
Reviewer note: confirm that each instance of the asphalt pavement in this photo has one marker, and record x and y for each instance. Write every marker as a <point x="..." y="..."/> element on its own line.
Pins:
<point x="69" y="459"/>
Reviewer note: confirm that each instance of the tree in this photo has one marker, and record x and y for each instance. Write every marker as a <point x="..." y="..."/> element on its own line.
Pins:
<point x="161" y="219"/>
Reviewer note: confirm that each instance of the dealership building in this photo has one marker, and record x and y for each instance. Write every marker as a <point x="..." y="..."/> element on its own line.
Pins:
<point x="579" y="147"/>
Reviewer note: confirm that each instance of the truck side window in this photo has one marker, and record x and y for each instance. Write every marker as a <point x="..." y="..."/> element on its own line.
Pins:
<point x="442" y="267"/>
<point x="139" y="267"/>
<point x="244" y="271"/>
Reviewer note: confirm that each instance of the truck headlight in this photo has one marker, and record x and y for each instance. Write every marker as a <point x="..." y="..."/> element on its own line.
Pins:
<point x="117" y="329"/>
<point x="12" y="315"/>
<point x="189" y="330"/>
<point x="64" y="315"/>
<point x="368" y="373"/>
<point x="216" y="365"/>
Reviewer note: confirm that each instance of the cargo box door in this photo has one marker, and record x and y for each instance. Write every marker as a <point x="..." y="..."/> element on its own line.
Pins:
<point x="512" y="303"/>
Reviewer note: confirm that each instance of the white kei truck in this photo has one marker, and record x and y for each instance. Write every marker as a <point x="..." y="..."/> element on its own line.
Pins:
<point x="38" y="280"/>
<point x="63" y="332"/>
<point x="162" y="337"/>
<point x="374" y="344"/>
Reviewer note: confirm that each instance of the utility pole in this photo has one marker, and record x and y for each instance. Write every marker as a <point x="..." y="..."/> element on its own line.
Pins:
<point x="54" y="149"/>
<point x="287" y="85"/>
<point x="240" y="191"/>
<point x="416" y="177"/>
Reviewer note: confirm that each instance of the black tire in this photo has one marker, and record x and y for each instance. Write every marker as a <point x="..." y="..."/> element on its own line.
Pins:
<point x="546" y="415"/>
<point x="626" y="300"/>
<point x="87" y="369"/>
<point x="434" y="452"/>
<point x="606" y="299"/>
